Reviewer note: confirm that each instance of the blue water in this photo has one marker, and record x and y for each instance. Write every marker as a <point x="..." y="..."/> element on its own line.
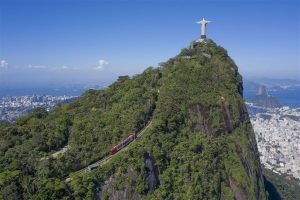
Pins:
<point x="288" y="97"/>
<point x="75" y="91"/>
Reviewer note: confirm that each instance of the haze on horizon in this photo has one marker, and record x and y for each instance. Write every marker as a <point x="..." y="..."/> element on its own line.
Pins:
<point x="90" y="42"/>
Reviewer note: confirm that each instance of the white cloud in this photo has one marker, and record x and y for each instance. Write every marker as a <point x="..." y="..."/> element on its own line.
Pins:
<point x="52" y="68"/>
<point x="101" y="64"/>
<point x="36" y="66"/>
<point x="3" y="64"/>
<point x="66" y="67"/>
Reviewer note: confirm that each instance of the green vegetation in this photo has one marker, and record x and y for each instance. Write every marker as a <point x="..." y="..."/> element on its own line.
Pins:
<point x="200" y="146"/>
<point x="91" y="126"/>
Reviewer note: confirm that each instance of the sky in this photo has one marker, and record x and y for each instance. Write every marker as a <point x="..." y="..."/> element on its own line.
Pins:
<point x="67" y="42"/>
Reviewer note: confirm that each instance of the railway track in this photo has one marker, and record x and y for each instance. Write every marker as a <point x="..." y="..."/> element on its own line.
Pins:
<point x="108" y="157"/>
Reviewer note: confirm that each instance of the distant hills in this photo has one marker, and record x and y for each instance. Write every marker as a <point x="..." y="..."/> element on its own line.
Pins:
<point x="272" y="83"/>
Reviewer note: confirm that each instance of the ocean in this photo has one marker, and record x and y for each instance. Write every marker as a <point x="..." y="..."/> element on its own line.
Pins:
<point x="287" y="97"/>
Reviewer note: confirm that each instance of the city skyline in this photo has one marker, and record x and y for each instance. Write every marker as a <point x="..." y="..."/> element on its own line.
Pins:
<point x="76" y="42"/>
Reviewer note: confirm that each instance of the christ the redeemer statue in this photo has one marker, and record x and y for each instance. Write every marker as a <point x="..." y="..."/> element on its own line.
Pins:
<point x="203" y="23"/>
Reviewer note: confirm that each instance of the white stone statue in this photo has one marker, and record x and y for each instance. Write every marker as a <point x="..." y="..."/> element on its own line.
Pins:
<point x="203" y="23"/>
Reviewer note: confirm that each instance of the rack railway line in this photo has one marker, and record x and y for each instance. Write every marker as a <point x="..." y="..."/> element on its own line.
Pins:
<point x="115" y="150"/>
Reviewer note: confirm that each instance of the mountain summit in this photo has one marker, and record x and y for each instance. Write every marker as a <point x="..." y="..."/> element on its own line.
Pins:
<point x="198" y="142"/>
<point x="201" y="145"/>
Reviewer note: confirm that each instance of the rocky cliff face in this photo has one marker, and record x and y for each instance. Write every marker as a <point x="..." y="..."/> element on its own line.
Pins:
<point x="201" y="144"/>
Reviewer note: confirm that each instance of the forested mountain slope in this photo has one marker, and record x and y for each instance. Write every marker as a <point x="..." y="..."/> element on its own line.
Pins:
<point x="200" y="145"/>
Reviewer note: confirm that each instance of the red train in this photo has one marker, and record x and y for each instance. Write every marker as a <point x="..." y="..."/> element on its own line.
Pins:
<point x="123" y="144"/>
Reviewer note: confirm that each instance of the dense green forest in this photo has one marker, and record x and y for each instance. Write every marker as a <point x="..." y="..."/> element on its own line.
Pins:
<point x="90" y="126"/>
<point x="200" y="145"/>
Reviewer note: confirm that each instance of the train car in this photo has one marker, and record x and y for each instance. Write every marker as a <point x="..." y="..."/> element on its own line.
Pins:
<point x="123" y="144"/>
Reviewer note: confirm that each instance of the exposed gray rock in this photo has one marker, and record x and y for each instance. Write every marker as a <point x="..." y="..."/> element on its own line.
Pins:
<point x="152" y="175"/>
